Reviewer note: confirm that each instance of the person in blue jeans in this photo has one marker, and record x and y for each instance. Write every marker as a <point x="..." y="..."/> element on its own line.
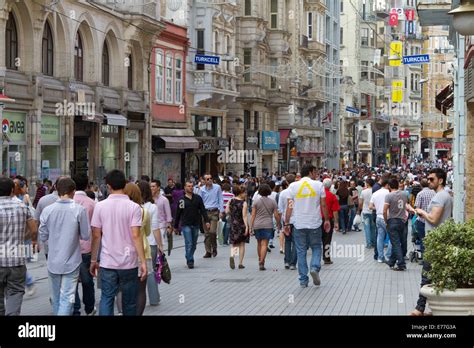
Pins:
<point x="88" y="292"/>
<point x="190" y="212"/>
<point x="308" y="199"/>
<point x="290" y="249"/>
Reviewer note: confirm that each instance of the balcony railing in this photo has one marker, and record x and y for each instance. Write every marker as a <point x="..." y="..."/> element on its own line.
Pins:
<point x="215" y="79"/>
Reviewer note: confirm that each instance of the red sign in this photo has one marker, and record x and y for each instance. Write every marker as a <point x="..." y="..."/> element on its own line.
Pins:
<point x="410" y="15"/>
<point x="393" y="22"/>
<point x="404" y="134"/>
<point x="5" y="126"/>
<point x="443" y="146"/>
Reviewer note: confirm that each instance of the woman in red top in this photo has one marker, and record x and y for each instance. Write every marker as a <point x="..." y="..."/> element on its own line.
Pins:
<point x="333" y="210"/>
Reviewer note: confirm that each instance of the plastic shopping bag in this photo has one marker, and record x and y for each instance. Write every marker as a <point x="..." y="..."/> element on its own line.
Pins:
<point x="220" y="232"/>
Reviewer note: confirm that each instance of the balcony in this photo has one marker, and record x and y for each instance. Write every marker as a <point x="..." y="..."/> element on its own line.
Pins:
<point x="150" y="8"/>
<point x="434" y="12"/>
<point x="206" y="83"/>
<point x="304" y="42"/>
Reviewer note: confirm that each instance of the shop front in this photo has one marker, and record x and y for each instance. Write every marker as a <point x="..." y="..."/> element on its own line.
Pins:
<point x="13" y="143"/>
<point x="252" y="148"/>
<point x="270" y="149"/>
<point x="310" y="151"/>
<point x="50" y="147"/>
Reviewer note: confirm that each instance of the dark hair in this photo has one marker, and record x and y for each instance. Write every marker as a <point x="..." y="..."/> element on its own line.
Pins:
<point x="440" y="174"/>
<point x="187" y="182"/>
<point x="360" y="183"/>
<point x="157" y="182"/>
<point x="6" y="186"/>
<point x="81" y="181"/>
<point x="384" y="182"/>
<point x="145" y="189"/>
<point x="307" y="168"/>
<point x="116" y="179"/>
<point x="290" y="178"/>
<point x="284" y="185"/>
<point x="225" y="187"/>
<point x="145" y="178"/>
<point x="65" y="186"/>
<point x="178" y="186"/>
<point x="271" y="184"/>
<point x="237" y="190"/>
<point x="393" y="183"/>
<point x="424" y="183"/>
<point x="370" y="182"/>
<point x="264" y="190"/>
<point x="90" y="194"/>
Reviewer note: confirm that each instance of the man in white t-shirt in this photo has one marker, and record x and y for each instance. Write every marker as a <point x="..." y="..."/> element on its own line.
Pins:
<point x="366" y="213"/>
<point x="306" y="198"/>
<point x="290" y="250"/>
<point x="377" y="202"/>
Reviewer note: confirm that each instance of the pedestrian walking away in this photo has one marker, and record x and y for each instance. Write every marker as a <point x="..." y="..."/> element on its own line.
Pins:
<point x="237" y="212"/>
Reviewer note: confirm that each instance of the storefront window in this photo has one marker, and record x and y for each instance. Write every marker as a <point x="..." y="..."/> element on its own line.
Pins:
<point x="16" y="160"/>
<point x="131" y="154"/>
<point x="50" y="149"/>
<point x="14" y="148"/>
<point x="109" y="145"/>
<point x="205" y="126"/>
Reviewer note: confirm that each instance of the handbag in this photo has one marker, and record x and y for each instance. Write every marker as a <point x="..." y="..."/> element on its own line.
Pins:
<point x="163" y="271"/>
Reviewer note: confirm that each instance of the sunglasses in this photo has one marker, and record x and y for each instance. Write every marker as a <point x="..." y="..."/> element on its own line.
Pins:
<point x="431" y="179"/>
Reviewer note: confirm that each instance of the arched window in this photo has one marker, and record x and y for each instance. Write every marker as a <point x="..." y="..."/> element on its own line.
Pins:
<point x="178" y="91"/>
<point x="105" y="65"/>
<point x="159" y="76"/>
<point x="47" y="51"/>
<point x="78" y="58"/>
<point x="130" y="72"/>
<point x="11" y="43"/>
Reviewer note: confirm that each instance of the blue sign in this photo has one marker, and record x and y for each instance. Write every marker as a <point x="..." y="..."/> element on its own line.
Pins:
<point x="200" y="59"/>
<point x="270" y="140"/>
<point x="420" y="59"/>
<point x="352" y="110"/>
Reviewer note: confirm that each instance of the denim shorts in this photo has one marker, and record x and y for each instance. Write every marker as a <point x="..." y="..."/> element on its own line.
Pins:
<point x="264" y="233"/>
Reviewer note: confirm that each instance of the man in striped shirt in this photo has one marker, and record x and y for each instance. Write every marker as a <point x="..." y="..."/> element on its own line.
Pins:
<point x="423" y="199"/>
<point x="227" y="195"/>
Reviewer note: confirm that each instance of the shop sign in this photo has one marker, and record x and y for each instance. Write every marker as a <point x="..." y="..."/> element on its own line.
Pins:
<point x="394" y="132"/>
<point x="251" y="140"/>
<point x="15" y="125"/>
<point x="414" y="138"/>
<point x="443" y="146"/>
<point x="131" y="136"/>
<point x="222" y="143"/>
<point x="208" y="145"/>
<point x="404" y="134"/>
<point x="50" y="129"/>
<point x="270" y="140"/>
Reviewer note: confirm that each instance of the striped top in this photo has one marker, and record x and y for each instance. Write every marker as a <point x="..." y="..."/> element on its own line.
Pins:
<point x="226" y="197"/>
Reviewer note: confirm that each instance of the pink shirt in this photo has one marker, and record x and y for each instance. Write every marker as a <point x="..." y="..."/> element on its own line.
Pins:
<point x="81" y="198"/>
<point x="116" y="216"/>
<point x="164" y="211"/>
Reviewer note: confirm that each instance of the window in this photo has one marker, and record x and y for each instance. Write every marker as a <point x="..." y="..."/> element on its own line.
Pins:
<point x="229" y="52"/>
<point x="169" y="78"/>
<point x="273" y="79"/>
<point x="364" y="36"/>
<point x="255" y="120"/>
<point x="310" y="25"/>
<point x="159" y="73"/>
<point x="130" y="72"/>
<point x="78" y="58"/>
<point x="246" y="119"/>
<point x="364" y="71"/>
<point x="217" y="47"/>
<point x="342" y="6"/>
<point x="47" y="50"/>
<point x="342" y="36"/>
<point x="105" y="65"/>
<point x="206" y="126"/>
<point x="11" y="43"/>
<point x="248" y="8"/>
<point x="247" y="63"/>
<point x="178" y="80"/>
<point x="273" y="14"/>
<point x="200" y="47"/>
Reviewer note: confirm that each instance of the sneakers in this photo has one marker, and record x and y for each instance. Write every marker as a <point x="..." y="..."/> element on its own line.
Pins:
<point x="269" y="250"/>
<point x="241" y="266"/>
<point x="380" y="261"/>
<point x="328" y="262"/>
<point x="30" y="290"/>
<point x="91" y="314"/>
<point x="315" y="276"/>
<point x="190" y="265"/>
<point x="398" y="268"/>
<point x="272" y="246"/>
<point x="292" y="267"/>
<point x="232" y="262"/>
<point x="207" y="255"/>
<point x="287" y="266"/>
<point x="303" y="285"/>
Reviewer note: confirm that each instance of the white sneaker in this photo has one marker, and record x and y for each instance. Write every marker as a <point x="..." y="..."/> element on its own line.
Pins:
<point x="94" y="311"/>
<point x="30" y="290"/>
<point x="380" y="261"/>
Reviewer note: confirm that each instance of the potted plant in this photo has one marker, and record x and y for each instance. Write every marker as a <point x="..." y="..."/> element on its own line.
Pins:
<point x="450" y="250"/>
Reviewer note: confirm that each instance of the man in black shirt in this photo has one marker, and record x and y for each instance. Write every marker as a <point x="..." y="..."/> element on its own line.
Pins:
<point x="190" y="211"/>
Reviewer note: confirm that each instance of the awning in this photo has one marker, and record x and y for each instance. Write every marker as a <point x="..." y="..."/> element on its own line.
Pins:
<point x="116" y="120"/>
<point x="170" y="132"/>
<point x="284" y="133"/>
<point x="445" y="99"/>
<point x="180" y="143"/>
<point x="448" y="133"/>
<point x="97" y="118"/>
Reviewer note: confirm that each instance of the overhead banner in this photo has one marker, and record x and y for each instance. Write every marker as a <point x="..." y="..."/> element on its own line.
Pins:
<point x="397" y="91"/>
<point x="396" y="50"/>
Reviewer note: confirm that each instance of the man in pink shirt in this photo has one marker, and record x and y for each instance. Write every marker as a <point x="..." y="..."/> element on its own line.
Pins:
<point x="116" y="226"/>
<point x="164" y="211"/>
<point x="87" y="281"/>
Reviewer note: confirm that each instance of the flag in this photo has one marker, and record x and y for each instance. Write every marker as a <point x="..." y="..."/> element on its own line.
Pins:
<point x="327" y="118"/>
<point x="393" y="22"/>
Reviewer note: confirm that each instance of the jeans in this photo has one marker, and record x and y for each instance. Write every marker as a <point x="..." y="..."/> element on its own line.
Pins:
<point x="421" y="303"/>
<point x="420" y="229"/>
<point x="344" y="218"/>
<point x="381" y="234"/>
<point x="29" y="280"/>
<point x="374" y="235"/>
<point x="290" y="249"/>
<point x="369" y="228"/>
<point x="396" y="231"/>
<point x="352" y="214"/>
<point x="63" y="291"/>
<point x="327" y="238"/>
<point x="111" y="281"/>
<point x="152" y="286"/>
<point x="12" y="289"/>
<point x="190" y="234"/>
<point x="87" y="281"/>
<point x="304" y="239"/>
<point x="404" y="239"/>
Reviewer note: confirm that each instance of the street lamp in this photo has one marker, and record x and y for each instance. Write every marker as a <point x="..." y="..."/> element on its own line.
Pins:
<point x="462" y="18"/>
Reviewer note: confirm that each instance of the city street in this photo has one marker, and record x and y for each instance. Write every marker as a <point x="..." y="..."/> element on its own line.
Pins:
<point x="348" y="287"/>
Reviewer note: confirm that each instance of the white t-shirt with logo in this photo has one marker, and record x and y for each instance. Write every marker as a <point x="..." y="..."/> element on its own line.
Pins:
<point x="306" y="195"/>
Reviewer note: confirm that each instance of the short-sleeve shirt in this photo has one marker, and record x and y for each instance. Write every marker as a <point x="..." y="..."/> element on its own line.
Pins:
<point x="116" y="216"/>
<point x="397" y="201"/>
<point x="441" y="199"/>
<point x="306" y="195"/>
<point x="265" y="208"/>
<point x="366" y="195"/>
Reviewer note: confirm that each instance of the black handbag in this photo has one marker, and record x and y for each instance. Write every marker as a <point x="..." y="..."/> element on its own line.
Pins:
<point x="165" y="270"/>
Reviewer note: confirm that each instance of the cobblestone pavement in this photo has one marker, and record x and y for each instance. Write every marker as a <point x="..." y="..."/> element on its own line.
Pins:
<point x="354" y="285"/>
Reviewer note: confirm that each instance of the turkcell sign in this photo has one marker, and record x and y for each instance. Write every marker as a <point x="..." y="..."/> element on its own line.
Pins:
<point x="420" y="59"/>
<point x="352" y="110"/>
<point x="200" y="59"/>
